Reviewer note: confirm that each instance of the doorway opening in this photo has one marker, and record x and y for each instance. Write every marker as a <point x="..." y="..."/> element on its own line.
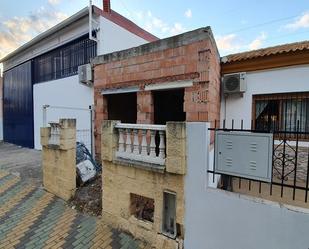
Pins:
<point x="168" y="106"/>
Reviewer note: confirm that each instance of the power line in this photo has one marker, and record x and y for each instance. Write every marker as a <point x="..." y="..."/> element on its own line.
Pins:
<point x="262" y="24"/>
<point x="287" y="35"/>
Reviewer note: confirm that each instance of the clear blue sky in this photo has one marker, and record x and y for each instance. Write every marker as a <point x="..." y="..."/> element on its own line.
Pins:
<point x="238" y="25"/>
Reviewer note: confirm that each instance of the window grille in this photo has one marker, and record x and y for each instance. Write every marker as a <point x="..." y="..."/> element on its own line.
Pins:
<point x="64" y="61"/>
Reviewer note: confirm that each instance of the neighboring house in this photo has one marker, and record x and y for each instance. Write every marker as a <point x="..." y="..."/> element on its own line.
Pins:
<point x="258" y="196"/>
<point x="1" y="112"/>
<point x="277" y="88"/>
<point x="43" y="72"/>
<point x="152" y="90"/>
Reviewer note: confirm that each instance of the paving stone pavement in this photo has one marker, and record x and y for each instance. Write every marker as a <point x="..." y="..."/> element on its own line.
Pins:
<point x="32" y="218"/>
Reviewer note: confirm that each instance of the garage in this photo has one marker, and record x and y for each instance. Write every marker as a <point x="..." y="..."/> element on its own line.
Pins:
<point x="18" y="106"/>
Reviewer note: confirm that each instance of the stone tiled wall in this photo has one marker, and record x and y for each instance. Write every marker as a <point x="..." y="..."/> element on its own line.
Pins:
<point x="120" y="179"/>
<point x="190" y="56"/>
<point x="59" y="161"/>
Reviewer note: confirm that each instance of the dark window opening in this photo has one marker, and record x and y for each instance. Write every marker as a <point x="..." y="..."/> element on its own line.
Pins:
<point x="267" y="114"/>
<point x="168" y="106"/>
<point x="142" y="207"/>
<point x="122" y="107"/>
<point x="282" y="112"/>
<point x="169" y="214"/>
<point x="64" y="61"/>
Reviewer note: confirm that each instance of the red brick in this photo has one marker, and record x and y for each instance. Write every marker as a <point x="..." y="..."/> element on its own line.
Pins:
<point x="192" y="116"/>
<point x="203" y="116"/>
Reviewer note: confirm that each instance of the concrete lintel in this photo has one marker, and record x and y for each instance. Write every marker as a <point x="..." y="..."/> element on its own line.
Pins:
<point x="169" y="85"/>
<point x="120" y="90"/>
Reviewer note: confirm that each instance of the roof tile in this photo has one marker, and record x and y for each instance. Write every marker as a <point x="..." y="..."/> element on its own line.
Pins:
<point x="285" y="48"/>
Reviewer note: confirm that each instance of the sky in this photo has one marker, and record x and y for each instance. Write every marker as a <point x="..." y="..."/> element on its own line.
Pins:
<point x="238" y="25"/>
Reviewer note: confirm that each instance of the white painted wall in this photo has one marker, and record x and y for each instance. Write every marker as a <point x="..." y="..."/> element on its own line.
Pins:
<point x="216" y="219"/>
<point x="66" y="92"/>
<point x="115" y="38"/>
<point x="280" y="80"/>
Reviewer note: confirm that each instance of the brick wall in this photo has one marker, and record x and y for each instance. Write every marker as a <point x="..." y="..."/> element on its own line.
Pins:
<point x="190" y="56"/>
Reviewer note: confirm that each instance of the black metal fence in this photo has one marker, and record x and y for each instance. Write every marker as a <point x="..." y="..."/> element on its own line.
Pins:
<point x="290" y="162"/>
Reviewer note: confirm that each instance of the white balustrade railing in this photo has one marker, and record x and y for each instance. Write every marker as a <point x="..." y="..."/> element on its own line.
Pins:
<point x="137" y="142"/>
<point x="54" y="138"/>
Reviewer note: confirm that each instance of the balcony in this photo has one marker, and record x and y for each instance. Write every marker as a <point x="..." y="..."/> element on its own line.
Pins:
<point x="155" y="147"/>
<point x="141" y="143"/>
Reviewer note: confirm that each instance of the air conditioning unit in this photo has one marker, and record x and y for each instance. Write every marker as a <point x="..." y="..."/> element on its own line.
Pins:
<point x="234" y="83"/>
<point x="85" y="75"/>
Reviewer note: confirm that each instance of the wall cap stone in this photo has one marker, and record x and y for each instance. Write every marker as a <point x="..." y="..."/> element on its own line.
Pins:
<point x="156" y="46"/>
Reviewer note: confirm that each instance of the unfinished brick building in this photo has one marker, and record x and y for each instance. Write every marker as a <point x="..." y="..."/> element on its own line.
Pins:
<point x="150" y="92"/>
<point x="174" y="79"/>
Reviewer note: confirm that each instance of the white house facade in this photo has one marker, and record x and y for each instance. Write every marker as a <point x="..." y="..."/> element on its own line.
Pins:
<point x="276" y="87"/>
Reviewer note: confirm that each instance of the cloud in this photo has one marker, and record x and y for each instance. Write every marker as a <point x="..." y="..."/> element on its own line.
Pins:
<point x="232" y="43"/>
<point x="177" y="29"/>
<point x="188" y="13"/>
<point x="54" y="2"/>
<point x="300" y="22"/>
<point x="18" y="30"/>
<point x="229" y="43"/>
<point x="257" y="42"/>
<point x="156" y="25"/>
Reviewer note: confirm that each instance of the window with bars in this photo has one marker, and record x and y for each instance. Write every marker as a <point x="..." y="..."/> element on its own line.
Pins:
<point x="288" y="112"/>
<point x="64" y="61"/>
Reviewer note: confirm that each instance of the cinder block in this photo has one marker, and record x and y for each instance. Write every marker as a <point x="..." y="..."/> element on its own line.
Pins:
<point x="109" y="138"/>
<point x="67" y="133"/>
<point x="59" y="163"/>
<point x="176" y="147"/>
<point x="67" y="123"/>
<point x="67" y="144"/>
<point x="45" y="133"/>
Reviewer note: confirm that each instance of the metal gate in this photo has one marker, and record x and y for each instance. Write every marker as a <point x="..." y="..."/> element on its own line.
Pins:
<point x="18" y="106"/>
<point x="84" y="121"/>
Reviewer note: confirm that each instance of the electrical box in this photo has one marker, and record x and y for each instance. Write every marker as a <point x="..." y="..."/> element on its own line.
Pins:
<point x="85" y="75"/>
<point x="244" y="154"/>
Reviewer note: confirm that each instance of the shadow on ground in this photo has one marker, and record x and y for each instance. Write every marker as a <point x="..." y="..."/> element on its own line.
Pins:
<point x="22" y="162"/>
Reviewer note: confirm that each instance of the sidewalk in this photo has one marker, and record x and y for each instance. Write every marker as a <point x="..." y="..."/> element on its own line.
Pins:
<point x="30" y="217"/>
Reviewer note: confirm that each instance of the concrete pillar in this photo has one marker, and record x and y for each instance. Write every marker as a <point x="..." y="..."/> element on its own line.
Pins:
<point x="59" y="159"/>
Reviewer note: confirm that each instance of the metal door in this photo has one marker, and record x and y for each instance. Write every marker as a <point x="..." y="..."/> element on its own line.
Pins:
<point x="18" y="106"/>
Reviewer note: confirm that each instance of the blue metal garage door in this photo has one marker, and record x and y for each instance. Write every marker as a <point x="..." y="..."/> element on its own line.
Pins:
<point x="18" y="106"/>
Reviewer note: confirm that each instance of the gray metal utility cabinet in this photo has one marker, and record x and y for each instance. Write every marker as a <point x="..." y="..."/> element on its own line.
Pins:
<point x="244" y="154"/>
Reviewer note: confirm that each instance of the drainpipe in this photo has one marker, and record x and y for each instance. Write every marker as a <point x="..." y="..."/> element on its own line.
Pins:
<point x="91" y="37"/>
